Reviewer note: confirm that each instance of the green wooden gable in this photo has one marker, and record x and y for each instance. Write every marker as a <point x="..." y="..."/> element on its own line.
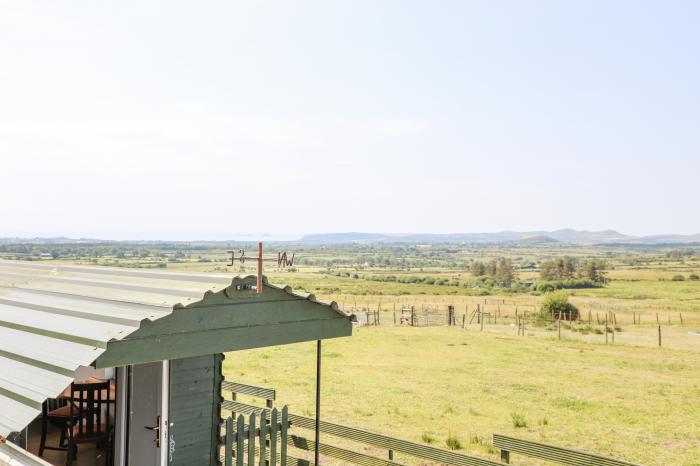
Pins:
<point x="233" y="318"/>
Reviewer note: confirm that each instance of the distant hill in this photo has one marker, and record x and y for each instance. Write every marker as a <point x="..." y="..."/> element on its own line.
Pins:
<point x="56" y="240"/>
<point x="535" y="238"/>
<point x="567" y="236"/>
<point x="670" y="239"/>
<point x="538" y="240"/>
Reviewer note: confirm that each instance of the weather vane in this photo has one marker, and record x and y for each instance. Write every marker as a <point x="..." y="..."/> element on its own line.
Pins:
<point x="282" y="261"/>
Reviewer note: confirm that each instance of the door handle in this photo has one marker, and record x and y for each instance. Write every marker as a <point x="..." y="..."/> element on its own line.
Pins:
<point x="155" y="429"/>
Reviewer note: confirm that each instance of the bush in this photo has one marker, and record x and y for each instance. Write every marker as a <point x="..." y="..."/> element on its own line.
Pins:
<point x="518" y="420"/>
<point x="453" y="443"/>
<point x="557" y="304"/>
<point x="694" y="277"/>
<point x="571" y="283"/>
<point x="678" y="278"/>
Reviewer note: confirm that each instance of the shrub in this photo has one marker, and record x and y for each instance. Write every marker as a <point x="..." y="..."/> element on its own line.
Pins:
<point x="557" y="304"/>
<point x="453" y="443"/>
<point x="427" y="438"/>
<point x="678" y="278"/>
<point x="694" y="277"/>
<point x="571" y="283"/>
<point x="518" y="420"/>
<point x="545" y="287"/>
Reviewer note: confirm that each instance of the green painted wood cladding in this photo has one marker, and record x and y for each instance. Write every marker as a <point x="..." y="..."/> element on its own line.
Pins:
<point x="195" y="396"/>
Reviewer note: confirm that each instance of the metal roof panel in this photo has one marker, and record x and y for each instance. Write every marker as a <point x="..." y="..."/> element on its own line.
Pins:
<point x="56" y="318"/>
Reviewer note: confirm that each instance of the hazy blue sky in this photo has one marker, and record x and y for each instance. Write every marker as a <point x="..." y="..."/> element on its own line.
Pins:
<point x="155" y="119"/>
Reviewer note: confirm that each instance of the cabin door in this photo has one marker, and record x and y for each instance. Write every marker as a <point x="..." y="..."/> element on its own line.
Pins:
<point x="148" y="413"/>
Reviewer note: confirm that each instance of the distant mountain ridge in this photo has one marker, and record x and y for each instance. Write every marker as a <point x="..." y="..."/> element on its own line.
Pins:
<point x="54" y="240"/>
<point x="569" y="236"/>
<point x="541" y="238"/>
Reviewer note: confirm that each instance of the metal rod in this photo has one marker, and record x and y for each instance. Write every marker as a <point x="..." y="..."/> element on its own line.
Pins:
<point x="318" y="401"/>
<point x="258" y="287"/>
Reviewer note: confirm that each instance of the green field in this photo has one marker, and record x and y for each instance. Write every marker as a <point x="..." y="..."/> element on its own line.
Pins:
<point x="639" y="404"/>
<point x="630" y="399"/>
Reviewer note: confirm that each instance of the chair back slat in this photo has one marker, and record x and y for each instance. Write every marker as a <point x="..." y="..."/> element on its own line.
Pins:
<point x="88" y="405"/>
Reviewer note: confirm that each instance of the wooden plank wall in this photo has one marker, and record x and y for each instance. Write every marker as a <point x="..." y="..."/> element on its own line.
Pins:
<point x="195" y="397"/>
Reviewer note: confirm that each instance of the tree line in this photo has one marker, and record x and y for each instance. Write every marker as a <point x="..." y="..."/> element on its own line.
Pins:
<point x="500" y="270"/>
<point x="568" y="268"/>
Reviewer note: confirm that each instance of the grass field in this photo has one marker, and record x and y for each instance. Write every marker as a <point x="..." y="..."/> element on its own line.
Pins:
<point x="632" y="399"/>
<point x="425" y="384"/>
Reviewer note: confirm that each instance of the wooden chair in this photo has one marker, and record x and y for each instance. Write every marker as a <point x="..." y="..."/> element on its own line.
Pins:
<point x="56" y="412"/>
<point x="90" y="402"/>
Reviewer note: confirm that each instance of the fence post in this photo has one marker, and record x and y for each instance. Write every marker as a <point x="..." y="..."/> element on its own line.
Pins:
<point x="263" y="438"/>
<point x="229" y="442"/>
<point x="559" y="326"/>
<point x="273" y="438"/>
<point x="659" y="335"/>
<point x="240" y="439"/>
<point x="505" y="456"/>
<point x="606" y="328"/>
<point x="283" y="442"/>
<point x="251" y="439"/>
<point x="464" y="318"/>
<point x="680" y="315"/>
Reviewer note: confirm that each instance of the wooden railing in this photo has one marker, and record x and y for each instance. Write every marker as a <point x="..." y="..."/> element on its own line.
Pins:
<point x="268" y="394"/>
<point x="560" y="455"/>
<point x="506" y="444"/>
<point x="391" y="444"/>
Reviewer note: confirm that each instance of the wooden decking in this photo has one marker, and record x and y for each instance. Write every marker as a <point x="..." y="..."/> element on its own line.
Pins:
<point x="88" y="454"/>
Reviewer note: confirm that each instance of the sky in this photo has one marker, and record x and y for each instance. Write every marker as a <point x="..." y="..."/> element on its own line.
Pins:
<point x="212" y="120"/>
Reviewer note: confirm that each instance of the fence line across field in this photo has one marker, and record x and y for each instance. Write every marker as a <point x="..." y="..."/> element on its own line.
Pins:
<point x="266" y="445"/>
<point x="607" y="324"/>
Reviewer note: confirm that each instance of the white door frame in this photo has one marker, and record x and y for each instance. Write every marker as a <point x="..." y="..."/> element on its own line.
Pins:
<point x="120" y="414"/>
<point x="165" y="414"/>
<point x="122" y="411"/>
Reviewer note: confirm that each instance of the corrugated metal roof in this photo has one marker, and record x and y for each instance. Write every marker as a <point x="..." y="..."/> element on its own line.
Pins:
<point x="12" y="455"/>
<point x="54" y="319"/>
